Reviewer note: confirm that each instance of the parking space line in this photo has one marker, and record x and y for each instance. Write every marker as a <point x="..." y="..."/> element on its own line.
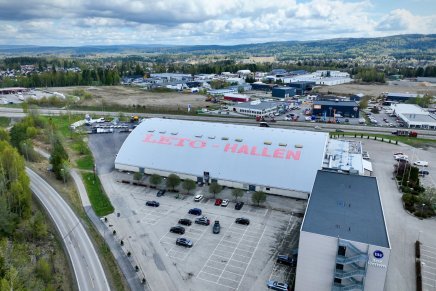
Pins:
<point x="249" y="262"/>
<point x="218" y="283"/>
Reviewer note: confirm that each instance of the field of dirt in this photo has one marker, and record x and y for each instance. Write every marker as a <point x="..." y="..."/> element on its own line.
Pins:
<point x="124" y="95"/>
<point x="376" y="90"/>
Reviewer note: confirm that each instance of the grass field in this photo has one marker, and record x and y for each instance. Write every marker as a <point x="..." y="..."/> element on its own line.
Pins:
<point x="413" y="141"/>
<point x="4" y="121"/>
<point x="99" y="201"/>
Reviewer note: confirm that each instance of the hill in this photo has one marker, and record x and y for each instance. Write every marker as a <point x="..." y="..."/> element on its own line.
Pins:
<point x="416" y="46"/>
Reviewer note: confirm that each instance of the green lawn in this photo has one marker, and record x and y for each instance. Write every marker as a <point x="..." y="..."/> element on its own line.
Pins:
<point x="413" y="141"/>
<point x="4" y="121"/>
<point x="99" y="201"/>
<point x="85" y="163"/>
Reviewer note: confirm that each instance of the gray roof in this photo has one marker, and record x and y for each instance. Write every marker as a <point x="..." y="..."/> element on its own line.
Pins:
<point x="204" y="150"/>
<point x="346" y="206"/>
<point x="259" y="106"/>
<point x="403" y="95"/>
<point x="335" y="103"/>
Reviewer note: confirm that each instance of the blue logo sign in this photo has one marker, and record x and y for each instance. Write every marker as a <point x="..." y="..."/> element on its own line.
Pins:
<point x="378" y="254"/>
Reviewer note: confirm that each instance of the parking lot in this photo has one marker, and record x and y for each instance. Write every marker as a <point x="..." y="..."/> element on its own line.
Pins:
<point x="240" y="257"/>
<point x="428" y="263"/>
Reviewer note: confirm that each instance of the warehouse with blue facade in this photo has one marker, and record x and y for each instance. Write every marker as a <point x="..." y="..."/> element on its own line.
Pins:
<point x="302" y="86"/>
<point x="332" y="108"/>
<point x="283" y="92"/>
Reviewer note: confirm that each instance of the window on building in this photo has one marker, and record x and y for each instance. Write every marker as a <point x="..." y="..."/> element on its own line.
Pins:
<point x="341" y="251"/>
<point x="338" y="281"/>
<point x="267" y="188"/>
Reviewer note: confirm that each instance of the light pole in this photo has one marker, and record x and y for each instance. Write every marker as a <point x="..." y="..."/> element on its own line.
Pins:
<point x="25" y="148"/>
<point x="330" y="115"/>
<point x="63" y="174"/>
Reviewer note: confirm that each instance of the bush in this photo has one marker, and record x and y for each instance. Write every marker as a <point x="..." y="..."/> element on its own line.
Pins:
<point x="405" y="189"/>
<point x="43" y="270"/>
<point x="409" y="199"/>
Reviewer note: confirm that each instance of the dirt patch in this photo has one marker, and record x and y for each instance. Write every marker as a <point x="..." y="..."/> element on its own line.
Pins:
<point x="375" y="90"/>
<point x="127" y="95"/>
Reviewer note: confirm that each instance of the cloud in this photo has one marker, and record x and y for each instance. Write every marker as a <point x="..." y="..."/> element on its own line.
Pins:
<point x="403" y="21"/>
<point x="79" y="22"/>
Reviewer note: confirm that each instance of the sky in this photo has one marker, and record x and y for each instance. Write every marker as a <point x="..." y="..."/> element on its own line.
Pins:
<point x="202" y="22"/>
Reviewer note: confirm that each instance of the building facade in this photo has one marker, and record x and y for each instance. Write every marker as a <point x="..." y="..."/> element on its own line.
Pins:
<point x="344" y="243"/>
<point x="332" y="108"/>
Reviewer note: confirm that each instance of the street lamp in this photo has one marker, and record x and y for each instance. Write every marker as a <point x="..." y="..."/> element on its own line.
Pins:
<point x="25" y="148"/>
<point x="63" y="174"/>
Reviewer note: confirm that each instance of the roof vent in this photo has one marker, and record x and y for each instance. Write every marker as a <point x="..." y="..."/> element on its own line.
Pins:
<point x="267" y="142"/>
<point x="174" y="133"/>
<point x="162" y="131"/>
<point x="225" y="138"/>
<point x="199" y="135"/>
<point x="282" y="144"/>
<point x="211" y="137"/>
<point x="151" y="130"/>
<point x="298" y="146"/>
<point x="238" y="139"/>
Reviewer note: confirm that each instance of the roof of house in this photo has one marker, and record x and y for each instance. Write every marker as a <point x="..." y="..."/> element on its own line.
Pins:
<point x="335" y="103"/>
<point x="252" y="155"/>
<point x="346" y="206"/>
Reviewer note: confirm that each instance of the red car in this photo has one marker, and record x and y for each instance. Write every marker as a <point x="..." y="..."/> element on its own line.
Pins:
<point x="218" y="202"/>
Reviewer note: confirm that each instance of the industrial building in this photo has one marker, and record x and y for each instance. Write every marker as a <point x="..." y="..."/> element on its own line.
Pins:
<point x="400" y="97"/>
<point x="414" y="116"/>
<point x="322" y="77"/>
<point x="302" y="86"/>
<point x="344" y="243"/>
<point x="273" y="160"/>
<point x="335" y="108"/>
<point x="255" y="108"/>
<point x="262" y="86"/>
<point x="283" y="92"/>
<point x="236" y="97"/>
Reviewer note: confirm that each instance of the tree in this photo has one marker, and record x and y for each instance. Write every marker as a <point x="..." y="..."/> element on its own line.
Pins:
<point x="57" y="158"/>
<point x="137" y="176"/>
<point x="155" y="180"/>
<point x="236" y="192"/>
<point x="4" y="135"/>
<point x="215" y="188"/>
<point x="363" y="103"/>
<point x="188" y="185"/>
<point x="43" y="270"/>
<point x="258" y="197"/>
<point x="39" y="226"/>
<point x="173" y="181"/>
<point x="375" y="110"/>
<point x="429" y="197"/>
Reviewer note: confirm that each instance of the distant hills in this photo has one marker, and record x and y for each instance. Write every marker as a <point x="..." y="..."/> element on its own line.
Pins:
<point x="417" y="46"/>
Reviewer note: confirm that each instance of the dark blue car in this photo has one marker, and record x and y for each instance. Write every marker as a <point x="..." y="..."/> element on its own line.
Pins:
<point x="195" y="211"/>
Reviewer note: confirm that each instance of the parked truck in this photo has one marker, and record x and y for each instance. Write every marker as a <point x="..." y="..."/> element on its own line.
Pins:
<point x="405" y="133"/>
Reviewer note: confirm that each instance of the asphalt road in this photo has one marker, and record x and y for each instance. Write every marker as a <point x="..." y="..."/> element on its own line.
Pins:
<point x="18" y="112"/>
<point x="88" y="270"/>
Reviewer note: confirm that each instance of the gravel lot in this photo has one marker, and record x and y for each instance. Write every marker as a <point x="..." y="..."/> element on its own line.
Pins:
<point x="127" y="95"/>
<point x="376" y="90"/>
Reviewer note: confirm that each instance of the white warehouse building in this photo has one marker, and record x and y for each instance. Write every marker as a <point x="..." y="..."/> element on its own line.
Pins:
<point x="273" y="160"/>
<point x="344" y="243"/>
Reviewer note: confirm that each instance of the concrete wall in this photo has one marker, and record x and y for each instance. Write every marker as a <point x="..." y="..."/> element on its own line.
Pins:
<point x="316" y="263"/>
<point x="230" y="184"/>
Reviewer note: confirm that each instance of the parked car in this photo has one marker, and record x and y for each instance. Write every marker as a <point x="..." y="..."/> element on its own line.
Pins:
<point x="216" y="227"/>
<point x="401" y="157"/>
<point x="177" y="229"/>
<point x="195" y="211"/>
<point x="185" y="221"/>
<point x="365" y="156"/>
<point x="286" y="260"/>
<point x="423" y="172"/>
<point x="152" y="203"/>
<point x="218" y="202"/>
<point x="198" y="198"/>
<point x="339" y="130"/>
<point x="277" y="285"/>
<point x="225" y="203"/>
<point x="239" y="205"/>
<point x="263" y="124"/>
<point x="181" y="241"/>
<point x="242" y="220"/>
<point x="202" y="220"/>
<point x="160" y="193"/>
<point x="421" y="163"/>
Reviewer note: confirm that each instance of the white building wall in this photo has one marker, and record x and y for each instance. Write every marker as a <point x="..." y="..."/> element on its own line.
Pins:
<point x="230" y="184"/>
<point x="316" y="263"/>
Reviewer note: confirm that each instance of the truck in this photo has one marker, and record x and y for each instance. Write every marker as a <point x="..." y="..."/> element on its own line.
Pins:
<point x="405" y="133"/>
